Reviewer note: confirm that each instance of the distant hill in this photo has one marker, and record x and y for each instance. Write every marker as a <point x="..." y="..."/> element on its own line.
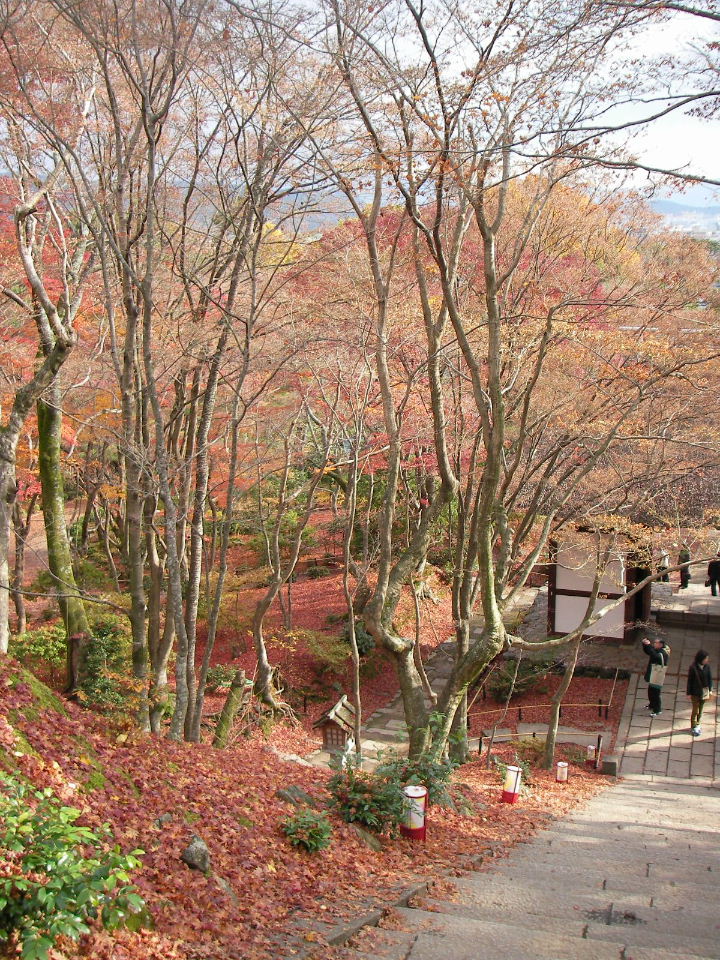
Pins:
<point x="670" y="208"/>
<point x="698" y="220"/>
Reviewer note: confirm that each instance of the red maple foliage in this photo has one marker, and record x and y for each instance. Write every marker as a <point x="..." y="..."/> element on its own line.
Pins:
<point x="262" y="894"/>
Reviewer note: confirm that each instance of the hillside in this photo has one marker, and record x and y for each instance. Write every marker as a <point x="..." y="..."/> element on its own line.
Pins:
<point x="262" y="898"/>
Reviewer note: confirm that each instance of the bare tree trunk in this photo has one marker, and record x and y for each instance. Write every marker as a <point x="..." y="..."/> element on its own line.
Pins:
<point x="417" y="654"/>
<point x="556" y="701"/>
<point x="351" y="507"/>
<point x="7" y="497"/>
<point x="22" y="531"/>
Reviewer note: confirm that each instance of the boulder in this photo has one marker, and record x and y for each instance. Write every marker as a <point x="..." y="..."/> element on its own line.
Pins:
<point x="369" y="839"/>
<point x="297" y="797"/>
<point x="196" y="855"/>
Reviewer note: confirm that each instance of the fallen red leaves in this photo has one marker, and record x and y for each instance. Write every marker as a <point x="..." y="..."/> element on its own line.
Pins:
<point x="261" y="890"/>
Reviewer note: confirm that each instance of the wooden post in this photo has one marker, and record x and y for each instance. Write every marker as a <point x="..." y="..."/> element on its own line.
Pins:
<point x="598" y="751"/>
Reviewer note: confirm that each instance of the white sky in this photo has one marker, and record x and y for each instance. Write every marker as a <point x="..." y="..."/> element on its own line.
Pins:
<point x="682" y="141"/>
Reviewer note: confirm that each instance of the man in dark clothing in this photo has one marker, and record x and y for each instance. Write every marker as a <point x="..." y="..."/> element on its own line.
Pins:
<point x="714" y="574"/>
<point x="658" y="654"/>
<point x="684" y="557"/>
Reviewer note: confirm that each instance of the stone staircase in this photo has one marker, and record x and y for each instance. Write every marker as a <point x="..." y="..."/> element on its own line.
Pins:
<point x="692" y="608"/>
<point x="632" y="876"/>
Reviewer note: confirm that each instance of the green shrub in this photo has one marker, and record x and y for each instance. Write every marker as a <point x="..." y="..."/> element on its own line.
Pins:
<point x="58" y="876"/>
<point x="334" y="618"/>
<point x="373" y="801"/>
<point x="44" y="583"/>
<point x="433" y="774"/>
<point x="365" y="643"/>
<point x="107" y="662"/>
<point x="308" y="829"/>
<point x="41" y="650"/>
<point x="330" y="654"/>
<point x="575" y="754"/>
<point x="531" y="749"/>
<point x="315" y="573"/>
<point x="220" y="677"/>
<point x="88" y="575"/>
<point x="503" y="681"/>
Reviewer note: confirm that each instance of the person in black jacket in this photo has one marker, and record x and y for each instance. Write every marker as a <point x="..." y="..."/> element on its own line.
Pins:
<point x="714" y="575"/>
<point x="658" y="653"/>
<point x="699" y="688"/>
<point x="684" y="558"/>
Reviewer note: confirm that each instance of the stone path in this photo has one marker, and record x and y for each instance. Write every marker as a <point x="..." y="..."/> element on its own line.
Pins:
<point x="663" y="746"/>
<point x="632" y="876"/>
<point x="386" y="732"/>
<point x="692" y="607"/>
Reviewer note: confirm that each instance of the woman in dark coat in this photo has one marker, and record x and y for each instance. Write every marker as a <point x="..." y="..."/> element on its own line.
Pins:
<point x="658" y="654"/>
<point x="699" y="688"/>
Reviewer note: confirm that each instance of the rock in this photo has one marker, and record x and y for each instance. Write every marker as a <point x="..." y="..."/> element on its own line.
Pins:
<point x="197" y="855"/>
<point x="297" y="797"/>
<point x="162" y="820"/>
<point x="290" y="757"/>
<point x="369" y="839"/>
<point x="228" y="890"/>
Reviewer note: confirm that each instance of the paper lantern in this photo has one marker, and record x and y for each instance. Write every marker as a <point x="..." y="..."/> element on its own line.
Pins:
<point x="561" y="775"/>
<point x="415" y="812"/>
<point x="590" y="756"/>
<point x="511" y="787"/>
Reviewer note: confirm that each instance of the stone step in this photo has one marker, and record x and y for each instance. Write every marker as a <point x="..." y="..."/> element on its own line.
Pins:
<point x="677" y="872"/>
<point x="444" y="937"/>
<point x="640" y="863"/>
<point x="521" y="901"/>
<point x="612" y="878"/>
<point x="579" y="925"/>
<point x="384" y="944"/>
<point x="613" y="848"/>
<point x="522" y="905"/>
<point x="575" y="927"/>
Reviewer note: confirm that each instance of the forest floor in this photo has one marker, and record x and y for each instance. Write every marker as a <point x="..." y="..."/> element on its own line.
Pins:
<point x="263" y="897"/>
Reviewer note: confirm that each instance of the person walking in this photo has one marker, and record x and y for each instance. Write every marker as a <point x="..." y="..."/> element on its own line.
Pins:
<point x="713" y="576"/>
<point x="663" y="565"/>
<point x="684" y="557"/>
<point x="699" y="689"/>
<point x="658" y="654"/>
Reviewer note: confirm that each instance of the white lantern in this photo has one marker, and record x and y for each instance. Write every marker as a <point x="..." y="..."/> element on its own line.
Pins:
<point x="511" y="787"/>
<point x="415" y="812"/>
<point x="561" y="774"/>
<point x="590" y="756"/>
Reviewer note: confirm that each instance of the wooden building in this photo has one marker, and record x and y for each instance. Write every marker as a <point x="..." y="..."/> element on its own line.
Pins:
<point x="572" y="573"/>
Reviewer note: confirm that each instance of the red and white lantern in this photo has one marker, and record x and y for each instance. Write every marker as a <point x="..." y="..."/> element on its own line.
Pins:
<point x="590" y="756"/>
<point x="561" y="774"/>
<point x="415" y="812"/>
<point x="511" y="787"/>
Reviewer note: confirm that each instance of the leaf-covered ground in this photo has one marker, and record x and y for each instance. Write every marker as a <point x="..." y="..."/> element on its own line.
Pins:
<point x="263" y="899"/>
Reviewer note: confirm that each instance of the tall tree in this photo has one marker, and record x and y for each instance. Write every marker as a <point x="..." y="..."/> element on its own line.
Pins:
<point x="522" y="296"/>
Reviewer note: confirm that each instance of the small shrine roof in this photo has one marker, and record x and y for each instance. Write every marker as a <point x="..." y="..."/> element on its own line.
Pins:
<point x="343" y="714"/>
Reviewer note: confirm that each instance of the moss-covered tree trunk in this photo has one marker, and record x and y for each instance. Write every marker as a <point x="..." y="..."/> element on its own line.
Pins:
<point x="232" y="704"/>
<point x="71" y="605"/>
